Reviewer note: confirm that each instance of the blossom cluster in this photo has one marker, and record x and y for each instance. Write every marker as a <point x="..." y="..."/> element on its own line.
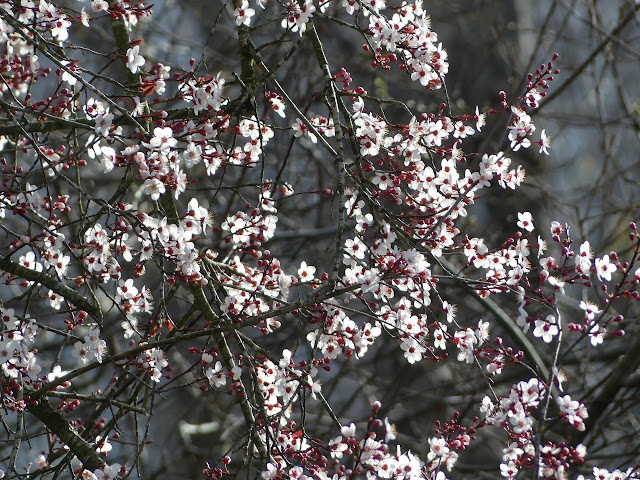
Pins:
<point x="16" y="340"/>
<point x="513" y="414"/>
<point x="409" y="33"/>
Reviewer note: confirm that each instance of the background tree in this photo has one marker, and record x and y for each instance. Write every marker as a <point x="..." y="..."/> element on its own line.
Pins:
<point x="251" y="248"/>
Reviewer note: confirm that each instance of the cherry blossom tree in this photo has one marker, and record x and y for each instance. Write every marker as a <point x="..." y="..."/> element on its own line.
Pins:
<point x="260" y="262"/>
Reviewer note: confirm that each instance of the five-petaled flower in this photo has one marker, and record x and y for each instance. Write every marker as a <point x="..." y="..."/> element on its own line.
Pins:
<point x="306" y="272"/>
<point x="525" y="221"/>
<point x="243" y="13"/>
<point x="134" y="59"/>
<point x="604" y="268"/>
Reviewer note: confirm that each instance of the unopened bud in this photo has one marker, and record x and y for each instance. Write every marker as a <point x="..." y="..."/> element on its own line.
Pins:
<point x="544" y="274"/>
